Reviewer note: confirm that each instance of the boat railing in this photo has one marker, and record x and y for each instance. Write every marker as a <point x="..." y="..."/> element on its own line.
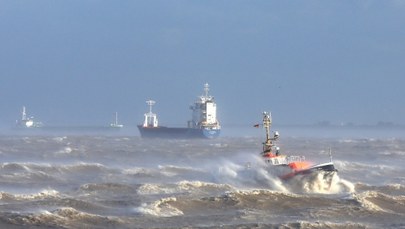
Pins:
<point x="284" y="160"/>
<point x="291" y="159"/>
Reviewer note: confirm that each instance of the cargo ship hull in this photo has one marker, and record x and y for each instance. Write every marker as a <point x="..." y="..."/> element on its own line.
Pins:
<point x="176" y="132"/>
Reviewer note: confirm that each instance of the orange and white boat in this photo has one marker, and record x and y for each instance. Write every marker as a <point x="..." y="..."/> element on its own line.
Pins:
<point x="284" y="166"/>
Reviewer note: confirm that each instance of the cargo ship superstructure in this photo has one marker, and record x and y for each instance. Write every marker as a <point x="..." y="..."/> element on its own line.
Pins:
<point x="203" y="124"/>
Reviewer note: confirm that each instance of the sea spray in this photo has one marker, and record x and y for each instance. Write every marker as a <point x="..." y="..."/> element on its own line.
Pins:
<point x="246" y="174"/>
<point x="321" y="183"/>
<point x="255" y="173"/>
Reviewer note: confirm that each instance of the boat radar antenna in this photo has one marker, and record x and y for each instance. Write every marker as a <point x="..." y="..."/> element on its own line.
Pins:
<point x="150" y="103"/>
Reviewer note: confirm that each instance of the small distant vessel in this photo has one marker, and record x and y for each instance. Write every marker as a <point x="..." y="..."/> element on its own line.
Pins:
<point x="27" y="122"/>
<point x="115" y="124"/>
<point x="287" y="167"/>
<point x="204" y="123"/>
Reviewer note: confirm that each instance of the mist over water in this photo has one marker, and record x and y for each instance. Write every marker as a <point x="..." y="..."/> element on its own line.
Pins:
<point x="115" y="181"/>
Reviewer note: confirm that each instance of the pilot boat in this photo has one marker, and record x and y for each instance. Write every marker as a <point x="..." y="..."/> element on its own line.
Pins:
<point x="289" y="166"/>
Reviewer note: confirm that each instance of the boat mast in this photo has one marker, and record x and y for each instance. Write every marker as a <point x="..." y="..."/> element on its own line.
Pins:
<point x="267" y="124"/>
<point x="150" y="103"/>
<point x="206" y="89"/>
<point x="268" y="144"/>
<point x="24" y="114"/>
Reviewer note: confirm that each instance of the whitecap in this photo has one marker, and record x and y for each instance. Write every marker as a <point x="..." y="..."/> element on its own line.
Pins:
<point x="320" y="183"/>
<point x="65" y="150"/>
<point x="159" y="208"/>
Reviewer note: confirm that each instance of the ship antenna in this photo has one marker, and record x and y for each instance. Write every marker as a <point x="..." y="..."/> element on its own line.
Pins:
<point x="206" y="89"/>
<point x="150" y="103"/>
<point x="24" y="114"/>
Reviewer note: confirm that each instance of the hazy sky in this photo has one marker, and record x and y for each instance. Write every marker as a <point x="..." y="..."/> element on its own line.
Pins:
<point x="79" y="61"/>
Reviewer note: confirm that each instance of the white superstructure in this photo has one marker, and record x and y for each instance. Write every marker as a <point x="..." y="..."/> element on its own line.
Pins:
<point x="151" y="119"/>
<point x="204" y="112"/>
<point x="26" y="121"/>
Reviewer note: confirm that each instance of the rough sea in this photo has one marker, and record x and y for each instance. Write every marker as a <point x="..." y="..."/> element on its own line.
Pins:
<point x="113" y="181"/>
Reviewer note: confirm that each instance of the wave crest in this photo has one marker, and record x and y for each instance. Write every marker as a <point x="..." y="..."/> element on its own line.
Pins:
<point x="160" y="208"/>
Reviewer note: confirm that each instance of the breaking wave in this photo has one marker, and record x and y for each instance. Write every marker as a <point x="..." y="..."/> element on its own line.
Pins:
<point x="257" y="175"/>
<point x="183" y="187"/>
<point x="380" y="202"/>
<point x="320" y="182"/>
<point x="47" y="193"/>
<point x="161" y="208"/>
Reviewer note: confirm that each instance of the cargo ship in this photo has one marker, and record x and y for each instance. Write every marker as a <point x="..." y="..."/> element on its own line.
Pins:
<point x="203" y="124"/>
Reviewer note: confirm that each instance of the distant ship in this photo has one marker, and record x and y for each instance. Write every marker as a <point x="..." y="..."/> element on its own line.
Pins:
<point x="26" y="121"/>
<point x="115" y="124"/>
<point x="204" y="123"/>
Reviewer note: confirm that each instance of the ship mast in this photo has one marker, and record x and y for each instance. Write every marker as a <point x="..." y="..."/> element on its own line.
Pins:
<point x="206" y="97"/>
<point x="206" y="89"/>
<point x="23" y="114"/>
<point x="150" y="103"/>
<point x="268" y="144"/>
<point x="115" y="123"/>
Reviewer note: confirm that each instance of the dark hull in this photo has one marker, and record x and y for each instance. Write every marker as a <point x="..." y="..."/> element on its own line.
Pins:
<point x="176" y="132"/>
